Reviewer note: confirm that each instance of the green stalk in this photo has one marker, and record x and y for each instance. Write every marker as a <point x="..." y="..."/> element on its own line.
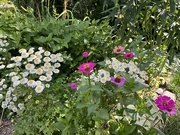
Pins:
<point x="2" y="116"/>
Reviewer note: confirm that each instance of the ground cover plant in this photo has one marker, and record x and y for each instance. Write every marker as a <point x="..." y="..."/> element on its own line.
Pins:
<point x="70" y="76"/>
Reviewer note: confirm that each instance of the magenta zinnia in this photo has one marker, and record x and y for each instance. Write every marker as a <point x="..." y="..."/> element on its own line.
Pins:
<point x="86" y="67"/>
<point x="166" y="104"/>
<point x="73" y="85"/>
<point x="118" y="49"/>
<point x="85" y="54"/>
<point x="128" y="55"/>
<point x="119" y="81"/>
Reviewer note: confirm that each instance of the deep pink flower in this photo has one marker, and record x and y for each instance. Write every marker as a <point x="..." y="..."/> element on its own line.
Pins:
<point x="73" y="85"/>
<point x="128" y="55"/>
<point x="166" y="104"/>
<point x="118" y="49"/>
<point x="85" y="54"/>
<point x="86" y="67"/>
<point x="119" y="81"/>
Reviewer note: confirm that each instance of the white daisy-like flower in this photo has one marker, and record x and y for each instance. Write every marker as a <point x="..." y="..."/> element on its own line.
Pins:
<point x="47" y="85"/>
<point x="56" y="71"/>
<point x="2" y="66"/>
<point x="23" y="80"/>
<point x="29" y="66"/>
<point x="12" y="74"/>
<point x="38" y="83"/>
<point x="51" y="68"/>
<point x="53" y="56"/>
<point x="53" y="60"/>
<point x="49" y="73"/>
<point x="10" y="65"/>
<point x="102" y="80"/>
<point x="31" y="83"/>
<point x="33" y="57"/>
<point x="15" y="78"/>
<point x="42" y="78"/>
<point x="17" y="59"/>
<point x="15" y="99"/>
<point x="29" y="59"/>
<point x="47" y="64"/>
<point x="39" y="71"/>
<point x="48" y="78"/>
<point x="4" y="86"/>
<point x="37" y="61"/>
<point x="121" y="69"/>
<point x="1" y="83"/>
<point x="22" y="50"/>
<point x="57" y="65"/>
<point x="124" y="65"/>
<point x="4" y="106"/>
<point x="39" y="56"/>
<point x="45" y="69"/>
<point x="32" y="71"/>
<point x="1" y="96"/>
<point x="39" y="88"/>
<point x="21" y="106"/>
<point x="115" y="67"/>
<point x="24" y="54"/>
<point x="31" y="51"/>
<point x="108" y="62"/>
<point x="14" y="109"/>
<point x="58" y="55"/>
<point x="24" y="74"/>
<point x="47" y="53"/>
<point x="8" y="99"/>
<point x="37" y="53"/>
<point x="18" y="64"/>
<point x="46" y="59"/>
<point x="16" y="83"/>
<point x="60" y="59"/>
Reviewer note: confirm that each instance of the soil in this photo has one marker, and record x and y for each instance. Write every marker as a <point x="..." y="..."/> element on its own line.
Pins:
<point x="6" y="127"/>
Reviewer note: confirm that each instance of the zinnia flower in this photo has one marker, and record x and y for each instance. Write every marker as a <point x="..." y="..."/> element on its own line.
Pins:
<point x="73" y="85"/>
<point x="166" y="104"/>
<point x="119" y="81"/>
<point x="85" y="54"/>
<point x="86" y="67"/>
<point x="118" y="49"/>
<point x="128" y="55"/>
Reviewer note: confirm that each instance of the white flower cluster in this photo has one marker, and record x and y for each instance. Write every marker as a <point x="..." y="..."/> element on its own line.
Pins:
<point x="3" y="43"/>
<point x="40" y="63"/>
<point x="34" y="69"/>
<point x="131" y="68"/>
<point x="104" y="76"/>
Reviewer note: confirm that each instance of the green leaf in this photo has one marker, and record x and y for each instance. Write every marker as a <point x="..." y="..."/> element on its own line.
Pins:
<point x="103" y="114"/>
<point x="40" y="40"/>
<point x="92" y="108"/>
<point x="96" y="88"/>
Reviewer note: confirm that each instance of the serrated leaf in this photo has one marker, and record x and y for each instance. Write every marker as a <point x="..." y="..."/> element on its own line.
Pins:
<point x="103" y="114"/>
<point x="92" y="108"/>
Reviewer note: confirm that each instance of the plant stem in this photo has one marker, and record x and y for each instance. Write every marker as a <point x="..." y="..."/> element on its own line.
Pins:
<point x="89" y="81"/>
<point x="2" y="116"/>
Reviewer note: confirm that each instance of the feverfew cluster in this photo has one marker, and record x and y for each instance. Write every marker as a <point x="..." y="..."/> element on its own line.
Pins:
<point x="103" y="76"/>
<point x="32" y="69"/>
<point x="40" y="64"/>
<point x="3" y="43"/>
<point x="131" y="68"/>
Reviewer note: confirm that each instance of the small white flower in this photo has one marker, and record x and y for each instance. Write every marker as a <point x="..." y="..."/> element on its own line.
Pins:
<point x="37" y="61"/>
<point x="47" y="53"/>
<point x="32" y="71"/>
<point x="4" y="86"/>
<point x="10" y="65"/>
<point x="31" y="83"/>
<point x="56" y="71"/>
<point x="24" y="54"/>
<point x="47" y="85"/>
<point x="22" y="50"/>
<point x="14" y="99"/>
<point x="47" y="64"/>
<point x="46" y="59"/>
<point x="31" y="51"/>
<point x="1" y="96"/>
<point x="39" y="71"/>
<point x="15" y="78"/>
<point x="48" y="78"/>
<point x="103" y="80"/>
<point x="38" y="83"/>
<point x="16" y="83"/>
<point x="60" y="59"/>
<point x="29" y="66"/>
<point x="49" y="73"/>
<point x="39" y="88"/>
<point x="42" y="78"/>
<point x="14" y="109"/>
<point x="24" y="74"/>
<point x="23" y="80"/>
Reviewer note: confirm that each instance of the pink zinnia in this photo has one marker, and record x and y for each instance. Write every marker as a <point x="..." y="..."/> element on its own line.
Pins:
<point x="118" y="49"/>
<point x="166" y="104"/>
<point x="86" y="67"/>
<point x="128" y="55"/>
<point x="85" y="54"/>
<point x="119" y="81"/>
<point x="73" y="85"/>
